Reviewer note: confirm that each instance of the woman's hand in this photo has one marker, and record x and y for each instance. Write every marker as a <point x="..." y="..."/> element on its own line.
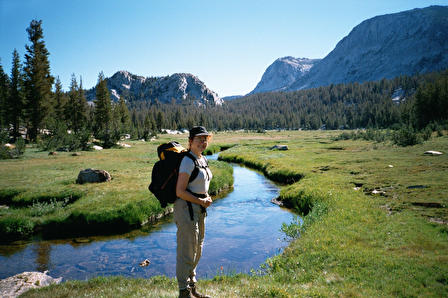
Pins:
<point x="205" y="202"/>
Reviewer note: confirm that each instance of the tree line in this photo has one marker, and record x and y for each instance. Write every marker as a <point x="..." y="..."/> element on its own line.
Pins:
<point x="32" y="109"/>
<point x="419" y="101"/>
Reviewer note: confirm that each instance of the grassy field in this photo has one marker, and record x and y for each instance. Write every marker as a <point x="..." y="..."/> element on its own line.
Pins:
<point x="375" y="225"/>
<point x="42" y="195"/>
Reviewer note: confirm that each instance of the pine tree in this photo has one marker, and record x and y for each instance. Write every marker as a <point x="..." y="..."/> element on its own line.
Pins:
<point x="60" y="101"/>
<point x="70" y="107"/>
<point x="103" y="108"/>
<point x="123" y="114"/>
<point x="4" y="94"/>
<point x="81" y="108"/>
<point x="38" y="80"/>
<point x="16" y="97"/>
<point x="160" y="121"/>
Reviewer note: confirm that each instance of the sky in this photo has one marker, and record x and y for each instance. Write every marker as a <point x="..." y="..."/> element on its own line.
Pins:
<point x="227" y="44"/>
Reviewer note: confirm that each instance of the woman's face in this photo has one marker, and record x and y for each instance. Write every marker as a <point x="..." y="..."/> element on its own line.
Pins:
<point x="199" y="143"/>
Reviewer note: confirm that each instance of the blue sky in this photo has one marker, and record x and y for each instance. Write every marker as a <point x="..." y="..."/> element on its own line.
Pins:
<point x="227" y="44"/>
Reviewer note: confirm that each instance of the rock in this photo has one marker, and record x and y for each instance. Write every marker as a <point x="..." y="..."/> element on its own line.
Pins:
<point x="390" y="166"/>
<point x="124" y="145"/>
<point x="277" y="202"/>
<point x="280" y="147"/>
<point x="93" y="176"/>
<point x="76" y="154"/>
<point x="18" y="284"/>
<point x="432" y="153"/>
<point x="96" y="147"/>
<point x="10" y="146"/>
<point x="378" y="192"/>
<point x="145" y="263"/>
<point x="282" y="73"/>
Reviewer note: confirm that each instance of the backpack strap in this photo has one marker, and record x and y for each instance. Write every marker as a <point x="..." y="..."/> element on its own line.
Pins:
<point x="193" y="176"/>
<point x="197" y="166"/>
<point x="190" y="206"/>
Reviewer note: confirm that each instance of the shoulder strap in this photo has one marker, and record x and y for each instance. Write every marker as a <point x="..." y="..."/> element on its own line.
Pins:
<point x="195" y="172"/>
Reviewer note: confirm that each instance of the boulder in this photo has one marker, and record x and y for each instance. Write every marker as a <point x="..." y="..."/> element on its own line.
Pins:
<point x="280" y="147"/>
<point x="124" y="145"/>
<point x="433" y="153"/>
<point x="96" y="147"/>
<point x="18" y="284"/>
<point x="10" y="146"/>
<point x="92" y="176"/>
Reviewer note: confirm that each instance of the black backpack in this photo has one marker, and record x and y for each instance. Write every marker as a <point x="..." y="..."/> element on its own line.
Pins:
<point x="165" y="171"/>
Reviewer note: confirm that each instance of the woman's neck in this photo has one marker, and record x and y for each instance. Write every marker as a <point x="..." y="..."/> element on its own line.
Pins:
<point x="197" y="153"/>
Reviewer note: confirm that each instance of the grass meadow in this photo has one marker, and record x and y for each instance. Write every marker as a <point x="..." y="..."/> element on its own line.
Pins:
<point x="42" y="195"/>
<point x="375" y="216"/>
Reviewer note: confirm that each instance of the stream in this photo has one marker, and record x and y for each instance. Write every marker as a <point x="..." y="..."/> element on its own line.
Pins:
<point x="242" y="231"/>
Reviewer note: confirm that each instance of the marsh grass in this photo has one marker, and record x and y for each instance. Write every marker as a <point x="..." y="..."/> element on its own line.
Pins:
<point x="42" y="195"/>
<point x="354" y="243"/>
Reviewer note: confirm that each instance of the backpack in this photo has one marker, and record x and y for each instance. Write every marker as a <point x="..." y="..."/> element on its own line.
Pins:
<point x="166" y="170"/>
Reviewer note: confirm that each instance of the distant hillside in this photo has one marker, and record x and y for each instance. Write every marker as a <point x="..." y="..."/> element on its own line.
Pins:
<point x="282" y="73"/>
<point x="409" y="42"/>
<point x="227" y="98"/>
<point x="178" y="87"/>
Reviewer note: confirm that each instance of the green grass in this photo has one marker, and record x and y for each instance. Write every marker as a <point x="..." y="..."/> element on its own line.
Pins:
<point x="353" y="243"/>
<point x="42" y="195"/>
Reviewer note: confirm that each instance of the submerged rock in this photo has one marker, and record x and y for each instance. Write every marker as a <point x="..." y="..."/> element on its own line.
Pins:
<point x="18" y="284"/>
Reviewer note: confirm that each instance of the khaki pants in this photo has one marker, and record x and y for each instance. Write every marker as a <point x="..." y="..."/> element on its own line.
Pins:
<point x="190" y="239"/>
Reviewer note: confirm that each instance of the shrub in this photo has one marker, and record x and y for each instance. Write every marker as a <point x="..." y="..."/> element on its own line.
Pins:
<point x="43" y="208"/>
<point x="406" y="136"/>
<point x="61" y="140"/>
<point x="17" y="151"/>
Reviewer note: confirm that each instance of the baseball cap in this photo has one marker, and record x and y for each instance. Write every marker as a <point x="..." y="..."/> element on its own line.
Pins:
<point x="198" y="131"/>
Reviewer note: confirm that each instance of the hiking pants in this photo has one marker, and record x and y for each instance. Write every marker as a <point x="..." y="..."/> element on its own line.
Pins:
<point x="190" y="239"/>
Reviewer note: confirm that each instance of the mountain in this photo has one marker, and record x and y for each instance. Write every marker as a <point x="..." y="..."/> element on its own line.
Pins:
<point x="179" y="86"/>
<point x="282" y="73"/>
<point x="387" y="46"/>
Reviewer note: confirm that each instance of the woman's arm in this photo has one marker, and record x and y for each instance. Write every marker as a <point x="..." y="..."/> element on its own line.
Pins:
<point x="181" y="192"/>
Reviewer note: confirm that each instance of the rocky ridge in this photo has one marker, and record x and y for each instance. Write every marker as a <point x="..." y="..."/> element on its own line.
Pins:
<point x="283" y="72"/>
<point x="387" y="46"/>
<point x="177" y="87"/>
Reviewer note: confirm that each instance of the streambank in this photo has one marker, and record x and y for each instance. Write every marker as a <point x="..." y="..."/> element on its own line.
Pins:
<point x="76" y="213"/>
<point x="243" y="230"/>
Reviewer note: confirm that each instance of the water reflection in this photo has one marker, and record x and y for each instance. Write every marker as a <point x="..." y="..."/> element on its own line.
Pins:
<point x="243" y="229"/>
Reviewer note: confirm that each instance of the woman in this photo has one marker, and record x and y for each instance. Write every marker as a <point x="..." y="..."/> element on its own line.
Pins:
<point x="189" y="210"/>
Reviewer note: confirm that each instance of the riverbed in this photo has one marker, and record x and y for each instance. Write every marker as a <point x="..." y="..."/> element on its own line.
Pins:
<point x="242" y="231"/>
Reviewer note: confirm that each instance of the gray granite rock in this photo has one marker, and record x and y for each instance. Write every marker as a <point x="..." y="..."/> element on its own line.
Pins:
<point x="93" y="176"/>
<point x="18" y="284"/>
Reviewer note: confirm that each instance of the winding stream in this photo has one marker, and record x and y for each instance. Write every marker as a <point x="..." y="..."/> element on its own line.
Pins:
<point x="242" y="231"/>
